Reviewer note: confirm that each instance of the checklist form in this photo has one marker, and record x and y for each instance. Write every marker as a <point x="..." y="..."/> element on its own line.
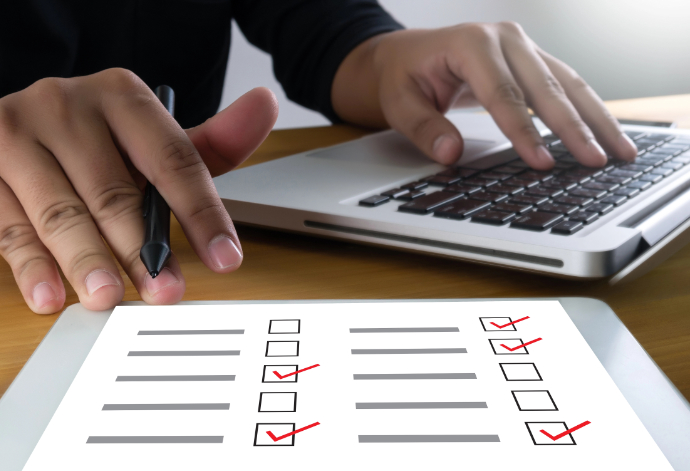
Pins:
<point x="352" y="386"/>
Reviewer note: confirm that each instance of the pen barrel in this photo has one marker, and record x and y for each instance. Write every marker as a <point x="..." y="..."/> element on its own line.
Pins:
<point x="166" y="95"/>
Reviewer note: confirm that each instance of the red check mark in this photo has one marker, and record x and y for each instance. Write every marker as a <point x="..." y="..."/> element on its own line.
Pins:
<point x="295" y="372"/>
<point x="520" y="346"/>
<point x="567" y="432"/>
<point x="275" y="439"/>
<point x="509" y="323"/>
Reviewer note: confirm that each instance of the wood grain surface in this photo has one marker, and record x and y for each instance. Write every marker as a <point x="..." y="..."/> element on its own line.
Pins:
<point x="656" y="307"/>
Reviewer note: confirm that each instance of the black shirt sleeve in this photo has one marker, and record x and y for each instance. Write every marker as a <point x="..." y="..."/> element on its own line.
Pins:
<point x="308" y="40"/>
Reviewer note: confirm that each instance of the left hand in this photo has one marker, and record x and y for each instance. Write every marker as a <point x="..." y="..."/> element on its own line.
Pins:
<point x="408" y="79"/>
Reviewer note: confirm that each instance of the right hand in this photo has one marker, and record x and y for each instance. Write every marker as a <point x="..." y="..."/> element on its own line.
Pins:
<point x="74" y="157"/>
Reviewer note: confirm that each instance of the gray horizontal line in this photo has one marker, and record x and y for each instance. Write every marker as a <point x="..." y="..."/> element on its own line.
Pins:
<point x="149" y="439"/>
<point x="400" y="330"/>
<point x="183" y="353"/>
<point x="191" y="332"/>
<point x="416" y="376"/>
<point x="427" y="438"/>
<point x="178" y="378"/>
<point x="225" y="406"/>
<point x="421" y="405"/>
<point x="405" y="351"/>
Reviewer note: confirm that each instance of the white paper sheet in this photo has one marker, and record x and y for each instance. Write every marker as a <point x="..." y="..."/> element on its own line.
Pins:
<point x="456" y="392"/>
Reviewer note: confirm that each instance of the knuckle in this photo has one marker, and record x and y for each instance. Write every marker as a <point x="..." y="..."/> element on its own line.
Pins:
<point x="207" y="208"/>
<point x="87" y="257"/>
<point x="552" y="88"/>
<point x="509" y="93"/>
<point x="54" y="96"/>
<point x="180" y="156"/>
<point x="62" y="216"/>
<point x="122" y="80"/>
<point x="10" y="126"/>
<point x="476" y="33"/>
<point x="421" y="128"/>
<point x="511" y="27"/>
<point x="115" y="200"/>
<point x="577" y="83"/>
<point x="15" y="237"/>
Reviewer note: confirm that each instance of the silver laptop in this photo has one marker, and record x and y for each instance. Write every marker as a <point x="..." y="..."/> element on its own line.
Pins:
<point x="618" y="221"/>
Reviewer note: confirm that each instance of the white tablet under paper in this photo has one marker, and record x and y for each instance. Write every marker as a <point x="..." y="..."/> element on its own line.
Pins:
<point x="509" y="384"/>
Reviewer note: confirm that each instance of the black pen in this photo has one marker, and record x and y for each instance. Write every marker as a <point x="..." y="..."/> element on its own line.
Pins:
<point x="155" y="252"/>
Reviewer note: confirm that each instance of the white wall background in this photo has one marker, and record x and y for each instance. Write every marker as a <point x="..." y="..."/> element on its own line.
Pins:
<point x="623" y="48"/>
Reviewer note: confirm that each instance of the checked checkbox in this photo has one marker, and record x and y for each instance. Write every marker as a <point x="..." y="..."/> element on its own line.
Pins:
<point x="554" y="429"/>
<point x="261" y="437"/>
<point x="508" y="347"/>
<point x="498" y="324"/>
<point x="284" y="370"/>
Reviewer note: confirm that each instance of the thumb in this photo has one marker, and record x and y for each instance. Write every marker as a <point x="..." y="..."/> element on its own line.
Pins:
<point x="412" y="113"/>
<point x="228" y="138"/>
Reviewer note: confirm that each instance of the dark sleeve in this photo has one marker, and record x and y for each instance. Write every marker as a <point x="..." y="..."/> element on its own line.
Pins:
<point x="308" y="39"/>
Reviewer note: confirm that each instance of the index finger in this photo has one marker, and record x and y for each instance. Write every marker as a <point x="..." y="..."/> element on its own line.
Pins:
<point x="164" y="154"/>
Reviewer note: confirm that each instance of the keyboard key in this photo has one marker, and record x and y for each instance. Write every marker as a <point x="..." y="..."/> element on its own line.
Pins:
<point x="493" y="176"/>
<point x="646" y="144"/>
<point x="505" y="189"/>
<point x="567" y="227"/>
<point x="607" y="178"/>
<point x="464" y="189"/>
<point x="558" y="208"/>
<point x="374" y="201"/>
<point x="647" y="160"/>
<point x="479" y="182"/>
<point x="449" y="172"/>
<point x="520" y="182"/>
<point x="440" y="180"/>
<point x="512" y="208"/>
<point x="676" y="144"/>
<point x="537" y="221"/>
<point x="635" y="134"/>
<point x="629" y="192"/>
<point x="662" y="171"/>
<point x="600" y="186"/>
<point x="558" y="183"/>
<point x="395" y="192"/>
<point x="583" y="216"/>
<point x="652" y="177"/>
<point x="600" y="208"/>
<point x="585" y="193"/>
<point x="615" y="200"/>
<point x="486" y="196"/>
<point x="624" y="173"/>
<point x="586" y="172"/>
<point x="683" y="159"/>
<point x="497" y="218"/>
<point x="411" y="195"/>
<point x="575" y="178"/>
<point x="425" y="204"/>
<point x="461" y="209"/>
<point x="637" y="167"/>
<point x="673" y="165"/>
<point x="574" y="200"/>
<point x="544" y="191"/>
<point x="663" y="153"/>
<point x="535" y="175"/>
<point x="639" y="184"/>
<point x="415" y="185"/>
<point x="660" y="137"/>
<point x="509" y="169"/>
<point x="467" y="172"/>
<point x="524" y="199"/>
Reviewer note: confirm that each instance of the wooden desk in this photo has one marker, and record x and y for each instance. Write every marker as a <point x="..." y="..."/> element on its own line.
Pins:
<point x="656" y="307"/>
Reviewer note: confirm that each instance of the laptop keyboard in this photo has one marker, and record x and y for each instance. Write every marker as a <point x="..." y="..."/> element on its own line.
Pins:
<point x="563" y="199"/>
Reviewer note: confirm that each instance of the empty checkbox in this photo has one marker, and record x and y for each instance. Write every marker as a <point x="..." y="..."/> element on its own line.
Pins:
<point x="520" y="372"/>
<point x="261" y="438"/>
<point x="270" y="377"/>
<point x="284" y="326"/>
<point x="553" y="428"/>
<point x="508" y="347"/>
<point x="534" y="400"/>
<point x="282" y="348"/>
<point x="278" y="402"/>
<point x="494" y="324"/>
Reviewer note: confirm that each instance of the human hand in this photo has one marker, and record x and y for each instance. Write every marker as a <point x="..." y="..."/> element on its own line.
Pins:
<point x="74" y="156"/>
<point x="408" y="79"/>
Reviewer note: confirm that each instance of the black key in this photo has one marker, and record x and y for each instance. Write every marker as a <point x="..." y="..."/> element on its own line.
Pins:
<point x="574" y="200"/>
<point x="558" y="147"/>
<point x="649" y="161"/>
<point x="624" y="173"/>
<point x="512" y="208"/>
<point x="558" y="208"/>
<point x="652" y="177"/>
<point x="415" y="185"/>
<point x="672" y="165"/>
<point x="524" y="199"/>
<point x="449" y="172"/>
<point x="464" y="189"/>
<point x="479" y="182"/>
<point x="562" y="166"/>
<point x="509" y="169"/>
<point x="629" y="192"/>
<point x="467" y="172"/>
<point x="461" y="209"/>
<point x="520" y="163"/>
<point x="585" y="193"/>
<point x="646" y="144"/>
<point x="683" y="159"/>
<point x="550" y="139"/>
<point x="600" y="208"/>
<point x="442" y="180"/>
<point x="566" y="176"/>
<point x="611" y="179"/>
<point x="425" y="204"/>
<point x="558" y="183"/>
<point x="374" y="201"/>
<point x="584" y="216"/>
<point x="537" y="221"/>
<point x="616" y="200"/>
<point x="411" y="195"/>
<point x="637" y="167"/>
<point x="486" y="196"/>
<point x="496" y="218"/>
<point x="505" y="189"/>
<point x="521" y="182"/>
<point x="534" y="175"/>
<point x="567" y="227"/>
<point x="544" y="191"/>
<point x="659" y="137"/>
<point x="395" y="192"/>
<point x="635" y="134"/>
<point x="677" y="145"/>
<point x="664" y="172"/>
<point x="586" y="172"/>
<point x="639" y="184"/>
<point x="600" y="186"/>
<point x="663" y="153"/>
<point x="493" y="176"/>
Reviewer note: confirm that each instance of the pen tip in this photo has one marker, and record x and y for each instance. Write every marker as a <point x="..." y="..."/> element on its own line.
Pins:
<point x="154" y="274"/>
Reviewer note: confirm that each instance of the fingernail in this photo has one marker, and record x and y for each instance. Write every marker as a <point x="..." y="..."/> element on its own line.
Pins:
<point x="625" y="141"/>
<point x="43" y="294"/>
<point x="224" y="252"/>
<point x="544" y="155"/>
<point x="596" y="151"/>
<point x="164" y="279"/>
<point x="97" y="279"/>
<point x="445" y="148"/>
